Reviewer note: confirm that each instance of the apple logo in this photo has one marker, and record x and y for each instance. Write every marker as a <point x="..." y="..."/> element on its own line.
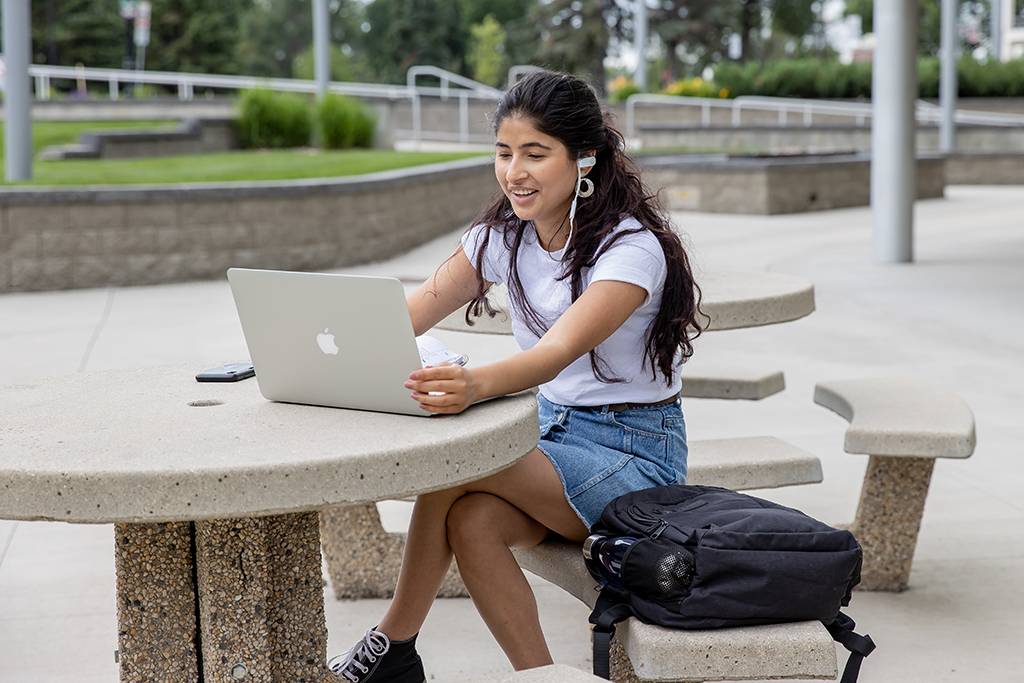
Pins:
<point x="325" y="340"/>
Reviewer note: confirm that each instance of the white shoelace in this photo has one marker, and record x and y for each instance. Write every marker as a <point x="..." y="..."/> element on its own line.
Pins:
<point x="373" y="645"/>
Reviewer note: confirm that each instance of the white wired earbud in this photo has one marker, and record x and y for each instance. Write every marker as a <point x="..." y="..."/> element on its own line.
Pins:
<point x="582" y="163"/>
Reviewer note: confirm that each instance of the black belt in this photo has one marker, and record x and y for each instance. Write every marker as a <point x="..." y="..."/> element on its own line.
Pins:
<point x="619" y="407"/>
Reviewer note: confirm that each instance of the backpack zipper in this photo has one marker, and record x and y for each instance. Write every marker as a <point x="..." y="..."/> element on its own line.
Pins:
<point x="656" y="530"/>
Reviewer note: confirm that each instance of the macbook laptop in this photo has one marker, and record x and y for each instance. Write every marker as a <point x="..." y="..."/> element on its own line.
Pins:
<point x="344" y="341"/>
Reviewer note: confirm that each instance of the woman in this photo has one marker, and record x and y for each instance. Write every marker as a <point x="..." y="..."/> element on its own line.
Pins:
<point x="604" y="308"/>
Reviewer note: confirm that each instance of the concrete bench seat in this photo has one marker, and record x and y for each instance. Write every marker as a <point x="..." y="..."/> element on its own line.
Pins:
<point x="554" y="673"/>
<point x="641" y="652"/>
<point x="903" y="425"/>
<point x="739" y="464"/>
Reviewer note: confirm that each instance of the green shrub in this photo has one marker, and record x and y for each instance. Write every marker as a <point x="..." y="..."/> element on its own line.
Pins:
<point x="344" y="123"/>
<point x="271" y="119"/>
<point x="818" y="78"/>
<point x="928" y="77"/>
<point x="364" y="128"/>
<point x="335" y="115"/>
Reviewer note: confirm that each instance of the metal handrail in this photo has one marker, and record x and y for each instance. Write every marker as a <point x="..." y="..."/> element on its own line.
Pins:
<point x="452" y="84"/>
<point x="187" y="82"/>
<point x="467" y="88"/>
<point x="861" y="111"/>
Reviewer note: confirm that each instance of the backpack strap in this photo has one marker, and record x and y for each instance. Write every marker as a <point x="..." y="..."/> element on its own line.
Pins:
<point x="841" y="630"/>
<point x="609" y="610"/>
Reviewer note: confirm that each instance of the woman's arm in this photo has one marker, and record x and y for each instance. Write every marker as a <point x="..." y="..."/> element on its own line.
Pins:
<point x="600" y="310"/>
<point x="454" y="283"/>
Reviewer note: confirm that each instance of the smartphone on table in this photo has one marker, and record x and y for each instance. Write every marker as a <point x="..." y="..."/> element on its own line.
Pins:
<point x="229" y="372"/>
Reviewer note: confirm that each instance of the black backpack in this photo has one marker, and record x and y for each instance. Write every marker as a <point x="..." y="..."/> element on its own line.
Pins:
<point x="707" y="557"/>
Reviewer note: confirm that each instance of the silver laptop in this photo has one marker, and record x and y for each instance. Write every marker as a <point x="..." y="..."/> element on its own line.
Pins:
<point x="343" y="341"/>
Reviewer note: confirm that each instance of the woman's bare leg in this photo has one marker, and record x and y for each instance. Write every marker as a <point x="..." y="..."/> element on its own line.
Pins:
<point x="482" y="529"/>
<point x="532" y="485"/>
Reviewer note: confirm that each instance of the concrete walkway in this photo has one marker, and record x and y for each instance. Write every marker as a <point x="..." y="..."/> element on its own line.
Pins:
<point x="955" y="318"/>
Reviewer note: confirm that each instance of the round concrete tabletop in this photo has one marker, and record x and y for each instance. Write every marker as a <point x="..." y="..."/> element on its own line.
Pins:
<point x="155" y="445"/>
<point x="732" y="300"/>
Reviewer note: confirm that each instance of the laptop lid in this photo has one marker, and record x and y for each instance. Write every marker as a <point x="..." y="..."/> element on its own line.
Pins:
<point x="344" y="341"/>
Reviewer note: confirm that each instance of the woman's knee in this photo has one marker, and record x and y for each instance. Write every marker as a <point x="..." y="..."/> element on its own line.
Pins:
<point x="478" y="520"/>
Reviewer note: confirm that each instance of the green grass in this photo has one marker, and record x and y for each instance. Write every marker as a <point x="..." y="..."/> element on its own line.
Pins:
<point x="243" y="165"/>
<point x="47" y="133"/>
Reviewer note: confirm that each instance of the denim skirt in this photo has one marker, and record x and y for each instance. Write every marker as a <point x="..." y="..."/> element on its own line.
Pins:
<point x="600" y="454"/>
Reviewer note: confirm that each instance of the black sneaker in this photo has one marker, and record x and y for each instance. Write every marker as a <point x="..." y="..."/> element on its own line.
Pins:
<point x="378" y="659"/>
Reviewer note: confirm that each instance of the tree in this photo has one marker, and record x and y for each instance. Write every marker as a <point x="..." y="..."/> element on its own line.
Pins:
<point x="693" y="33"/>
<point x="929" y="23"/>
<point x="404" y="33"/>
<point x="575" y="35"/>
<point x="521" y="35"/>
<point x="275" y="33"/>
<point x="486" y="56"/>
<point x="68" y="32"/>
<point x="195" y="35"/>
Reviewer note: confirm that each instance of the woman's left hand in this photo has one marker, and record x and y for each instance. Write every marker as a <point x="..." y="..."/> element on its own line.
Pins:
<point x="460" y="389"/>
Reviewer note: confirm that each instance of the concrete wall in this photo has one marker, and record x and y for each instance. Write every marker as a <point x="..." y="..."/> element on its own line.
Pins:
<point x="778" y="139"/>
<point x="771" y="186"/>
<point x="985" y="168"/>
<point x="194" y="136"/>
<point x="94" y="237"/>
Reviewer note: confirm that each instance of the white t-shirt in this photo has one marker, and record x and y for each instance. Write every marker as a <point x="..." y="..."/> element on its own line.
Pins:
<point x="637" y="259"/>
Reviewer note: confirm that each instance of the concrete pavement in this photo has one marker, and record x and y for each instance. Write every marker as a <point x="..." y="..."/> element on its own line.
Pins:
<point x="955" y="317"/>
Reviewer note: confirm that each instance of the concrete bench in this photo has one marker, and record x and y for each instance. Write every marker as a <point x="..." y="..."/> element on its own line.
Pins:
<point x="641" y="652"/>
<point x="555" y="673"/>
<point x="745" y="463"/>
<point x="903" y="425"/>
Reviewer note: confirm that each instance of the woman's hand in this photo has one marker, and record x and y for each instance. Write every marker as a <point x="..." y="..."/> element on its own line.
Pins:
<point x="460" y="388"/>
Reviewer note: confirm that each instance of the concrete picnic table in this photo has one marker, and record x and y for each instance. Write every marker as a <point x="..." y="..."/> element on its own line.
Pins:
<point x="731" y="299"/>
<point x="214" y="493"/>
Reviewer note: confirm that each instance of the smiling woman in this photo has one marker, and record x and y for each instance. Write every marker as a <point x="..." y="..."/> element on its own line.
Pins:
<point x="604" y="309"/>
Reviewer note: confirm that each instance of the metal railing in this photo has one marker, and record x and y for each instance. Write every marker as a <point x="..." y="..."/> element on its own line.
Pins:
<point x="806" y="111"/>
<point x="466" y="89"/>
<point x="451" y="85"/>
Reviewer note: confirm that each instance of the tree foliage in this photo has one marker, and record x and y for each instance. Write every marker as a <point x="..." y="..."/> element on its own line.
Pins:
<point x="486" y="55"/>
<point x="404" y="33"/>
<point x="68" y="32"/>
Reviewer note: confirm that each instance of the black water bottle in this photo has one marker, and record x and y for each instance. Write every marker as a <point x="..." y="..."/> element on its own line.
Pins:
<point x="608" y="552"/>
<point x="670" y="569"/>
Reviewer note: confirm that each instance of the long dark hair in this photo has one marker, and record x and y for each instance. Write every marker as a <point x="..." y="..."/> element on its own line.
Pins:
<point x="566" y="108"/>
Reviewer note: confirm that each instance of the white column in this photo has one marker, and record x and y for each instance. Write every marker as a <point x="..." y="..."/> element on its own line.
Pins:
<point x="995" y="12"/>
<point x="893" y="92"/>
<point x="321" y="47"/>
<point x="947" y="76"/>
<point x="640" y="43"/>
<point x="17" y="91"/>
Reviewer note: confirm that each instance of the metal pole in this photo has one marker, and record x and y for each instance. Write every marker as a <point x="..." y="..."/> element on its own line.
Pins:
<point x="995" y="12"/>
<point x="640" y="45"/>
<point x="17" y="91"/>
<point x="893" y="91"/>
<point x="947" y="83"/>
<point x="321" y="47"/>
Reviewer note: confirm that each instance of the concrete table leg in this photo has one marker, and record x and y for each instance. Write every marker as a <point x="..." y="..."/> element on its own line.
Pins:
<point x="156" y="605"/>
<point x="889" y="517"/>
<point x="364" y="560"/>
<point x="261" y="599"/>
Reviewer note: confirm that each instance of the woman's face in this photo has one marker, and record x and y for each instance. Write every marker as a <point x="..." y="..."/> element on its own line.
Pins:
<point x="535" y="172"/>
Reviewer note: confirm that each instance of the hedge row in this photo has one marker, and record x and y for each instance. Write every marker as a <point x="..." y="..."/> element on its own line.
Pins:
<point x="817" y="78"/>
<point x="276" y="120"/>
